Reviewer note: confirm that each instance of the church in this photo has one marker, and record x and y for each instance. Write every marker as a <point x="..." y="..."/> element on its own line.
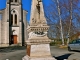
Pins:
<point x="13" y="24"/>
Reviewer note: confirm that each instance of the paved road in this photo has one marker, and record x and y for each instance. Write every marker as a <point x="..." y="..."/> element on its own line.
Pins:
<point x="58" y="53"/>
<point x="61" y="54"/>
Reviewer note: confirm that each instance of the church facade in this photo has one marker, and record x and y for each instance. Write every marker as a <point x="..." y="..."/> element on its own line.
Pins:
<point x="13" y="24"/>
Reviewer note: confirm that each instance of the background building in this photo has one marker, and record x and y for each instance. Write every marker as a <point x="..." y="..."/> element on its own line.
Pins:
<point x="13" y="24"/>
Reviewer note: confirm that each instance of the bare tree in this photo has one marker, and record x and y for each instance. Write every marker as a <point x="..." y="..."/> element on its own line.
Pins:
<point x="70" y="21"/>
<point x="58" y="7"/>
<point x="64" y="17"/>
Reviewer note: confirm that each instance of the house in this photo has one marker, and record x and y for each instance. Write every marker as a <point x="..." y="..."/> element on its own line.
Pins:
<point x="75" y="36"/>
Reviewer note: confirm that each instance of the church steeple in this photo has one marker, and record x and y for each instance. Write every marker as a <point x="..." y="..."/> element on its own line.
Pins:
<point x="37" y="13"/>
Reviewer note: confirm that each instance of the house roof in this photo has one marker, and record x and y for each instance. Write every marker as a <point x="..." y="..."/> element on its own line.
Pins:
<point x="75" y="36"/>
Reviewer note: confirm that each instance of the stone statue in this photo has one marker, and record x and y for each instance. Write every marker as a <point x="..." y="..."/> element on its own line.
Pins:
<point x="38" y="6"/>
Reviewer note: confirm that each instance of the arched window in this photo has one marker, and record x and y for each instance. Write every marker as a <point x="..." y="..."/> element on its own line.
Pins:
<point x="15" y="0"/>
<point x="11" y="19"/>
<point x="15" y="19"/>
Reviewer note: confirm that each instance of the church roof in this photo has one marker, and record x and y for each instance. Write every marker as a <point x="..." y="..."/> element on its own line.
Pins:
<point x="25" y="11"/>
<point x="1" y="11"/>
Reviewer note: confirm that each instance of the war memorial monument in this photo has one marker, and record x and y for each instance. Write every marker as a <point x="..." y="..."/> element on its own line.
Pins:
<point x="38" y="43"/>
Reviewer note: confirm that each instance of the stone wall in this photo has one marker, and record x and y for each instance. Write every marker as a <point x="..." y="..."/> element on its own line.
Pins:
<point x="25" y="25"/>
<point x="0" y="32"/>
<point x="0" y="26"/>
<point x="3" y="26"/>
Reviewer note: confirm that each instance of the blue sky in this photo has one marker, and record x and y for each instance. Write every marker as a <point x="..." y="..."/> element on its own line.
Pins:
<point x="26" y="5"/>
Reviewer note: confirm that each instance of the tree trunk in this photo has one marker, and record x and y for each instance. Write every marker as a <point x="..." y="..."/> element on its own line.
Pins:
<point x="70" y="23"/>
<point x="60" y="22"/>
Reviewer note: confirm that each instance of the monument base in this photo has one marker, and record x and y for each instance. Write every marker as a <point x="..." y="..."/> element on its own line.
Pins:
<point x="38" y="58"/>
<point x="38" y="52"/>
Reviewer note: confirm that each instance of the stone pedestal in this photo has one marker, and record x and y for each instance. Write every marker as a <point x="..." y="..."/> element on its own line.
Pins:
<point x="38" y="52"/>
<point x="38" y="58"/>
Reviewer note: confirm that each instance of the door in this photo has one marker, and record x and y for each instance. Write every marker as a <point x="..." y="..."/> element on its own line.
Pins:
<point x="14" y="39"/>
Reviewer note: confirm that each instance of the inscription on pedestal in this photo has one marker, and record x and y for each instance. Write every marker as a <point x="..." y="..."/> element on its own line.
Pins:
<point x="40" y="50"/>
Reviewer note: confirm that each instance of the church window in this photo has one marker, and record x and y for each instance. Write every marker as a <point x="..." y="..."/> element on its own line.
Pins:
<point x="11" y="19"/>
<point x="15" y="19"/>
<point x="15" y="0"/>
<point x="13" y="11"/>
<point x="0" y="16"/>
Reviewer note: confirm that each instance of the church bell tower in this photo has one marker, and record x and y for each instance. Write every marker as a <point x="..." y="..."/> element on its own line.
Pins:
<point x="13" y="24"/>
<point x="38" y="43"/>
<point x="17" y="25"/>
